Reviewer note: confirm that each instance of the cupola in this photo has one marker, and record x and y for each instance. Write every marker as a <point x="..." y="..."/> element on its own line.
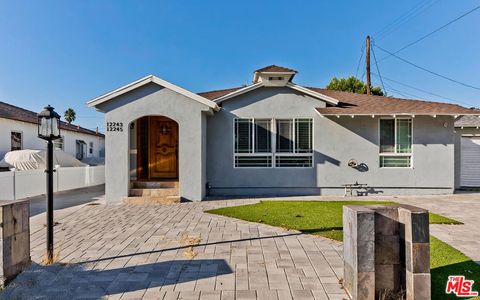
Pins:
<point x="273" y="75"/>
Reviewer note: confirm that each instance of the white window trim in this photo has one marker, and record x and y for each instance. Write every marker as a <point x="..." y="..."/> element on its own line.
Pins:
<point x="273" y="143"/>
<point x="380" y="154"/>
<point x="21" y="138"/>
<point x="251" y="144"/>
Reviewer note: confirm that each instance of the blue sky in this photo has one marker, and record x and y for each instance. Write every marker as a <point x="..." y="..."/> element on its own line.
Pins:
<point x="64" y="53"/>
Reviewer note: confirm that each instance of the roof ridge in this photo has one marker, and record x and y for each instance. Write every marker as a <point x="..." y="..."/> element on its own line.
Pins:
<point x="277" y="67"/>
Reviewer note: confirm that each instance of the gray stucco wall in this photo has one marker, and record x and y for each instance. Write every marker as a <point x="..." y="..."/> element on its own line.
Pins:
<point x="458" y="153"/>
<point x="336" y="141"/>
<point x="154" y="100"/>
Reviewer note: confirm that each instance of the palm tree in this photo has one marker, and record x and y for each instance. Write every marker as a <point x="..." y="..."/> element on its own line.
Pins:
<point x="70" y="115"/>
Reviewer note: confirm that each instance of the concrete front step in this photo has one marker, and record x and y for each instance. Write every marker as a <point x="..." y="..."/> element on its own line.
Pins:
<point x="154" y="184"/>
<point x="167" y="200"/>
<point x="163" y="192"/>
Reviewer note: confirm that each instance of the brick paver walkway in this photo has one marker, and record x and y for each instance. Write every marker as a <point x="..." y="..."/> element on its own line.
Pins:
<point x="463" y="207"/>
<point x="133" y="252"/>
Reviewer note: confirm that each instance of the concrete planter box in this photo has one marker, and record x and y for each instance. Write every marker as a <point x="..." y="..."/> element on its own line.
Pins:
<point x="386" y="251"/>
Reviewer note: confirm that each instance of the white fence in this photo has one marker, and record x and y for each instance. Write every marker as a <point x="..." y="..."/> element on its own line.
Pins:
<point x="22" y="184"/>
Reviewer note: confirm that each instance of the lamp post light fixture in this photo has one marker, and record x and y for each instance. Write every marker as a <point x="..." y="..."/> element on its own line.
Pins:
<point x="49" y="130"/>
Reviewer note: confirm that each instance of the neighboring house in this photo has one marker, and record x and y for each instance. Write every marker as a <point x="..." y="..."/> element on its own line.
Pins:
<point x="275" y="137"/>
<point x="467" y="152"/>
<point x="19" y="130"/>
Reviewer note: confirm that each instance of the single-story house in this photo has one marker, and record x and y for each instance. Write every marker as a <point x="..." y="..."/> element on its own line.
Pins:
<point x="274" y="137"/>
<point x="19" y="131"/>
<point x="467" y="152"/>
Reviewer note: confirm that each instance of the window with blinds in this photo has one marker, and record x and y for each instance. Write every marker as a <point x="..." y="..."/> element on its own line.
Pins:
<point x="253" y="143"/>
<point x="294" y="143"/>
<point x="396" y="143"/>
<point x="273" y="143"/>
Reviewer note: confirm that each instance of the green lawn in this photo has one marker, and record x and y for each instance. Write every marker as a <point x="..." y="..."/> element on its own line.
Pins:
<point x="446" y="260"/>
<point x="321" y="218"/>
<point x="325" y="218"/>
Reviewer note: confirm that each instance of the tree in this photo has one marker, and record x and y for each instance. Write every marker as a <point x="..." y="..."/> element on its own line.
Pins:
<point x="70" y="115"/>
<point x="353" y="85"/>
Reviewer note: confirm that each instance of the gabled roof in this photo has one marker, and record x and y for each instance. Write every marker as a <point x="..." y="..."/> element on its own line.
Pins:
<point x="361" y="104"/>
<point x="222" y="95"/>
<point x="12" y="112"/>
<point x="146" y="80"/>
<point x="211" y="95"/>
<point x="275" y="69"/>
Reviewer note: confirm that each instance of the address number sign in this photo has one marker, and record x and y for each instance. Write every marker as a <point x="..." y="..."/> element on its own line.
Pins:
<point x="115" y="126"/>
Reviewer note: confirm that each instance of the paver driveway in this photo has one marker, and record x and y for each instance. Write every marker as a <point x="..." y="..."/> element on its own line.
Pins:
<point x="123" y="251"/>
<point x="464" y="207"/>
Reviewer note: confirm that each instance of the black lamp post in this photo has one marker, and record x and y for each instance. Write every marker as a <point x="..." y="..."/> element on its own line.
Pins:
<point x="49" y="130"/>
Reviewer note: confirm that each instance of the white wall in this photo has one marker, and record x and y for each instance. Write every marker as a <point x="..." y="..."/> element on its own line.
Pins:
<point x="22" y="184"/>
<point x="7" y="188"/>
<point x="29" y="135"/>
<point x="70" y="138"/>
<point x="31" y="141"/>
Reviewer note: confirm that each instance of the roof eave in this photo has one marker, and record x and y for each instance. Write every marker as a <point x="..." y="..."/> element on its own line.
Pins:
<point x="121" y="90"/>
<point x="291" y="85"/>
<point x="145" y="80"/>
<point x="239" y="92"/>
<point x="309" y="92"/>
<point x="398" y="114"/>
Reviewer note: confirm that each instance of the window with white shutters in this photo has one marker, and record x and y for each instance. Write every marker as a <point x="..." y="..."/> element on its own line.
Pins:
<point x="269" y="143"/>
<point x="294" y="143"/>
<point x="253" y="143"/>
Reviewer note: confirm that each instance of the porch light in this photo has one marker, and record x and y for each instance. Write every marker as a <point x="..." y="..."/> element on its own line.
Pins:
<point x="49" y="130"/>
<point x="48" y="124"/>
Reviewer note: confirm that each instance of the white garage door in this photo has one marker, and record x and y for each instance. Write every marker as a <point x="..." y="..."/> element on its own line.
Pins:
<point x="470" y="161"/>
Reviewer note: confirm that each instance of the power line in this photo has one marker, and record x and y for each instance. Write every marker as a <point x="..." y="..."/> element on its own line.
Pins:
<point x="424" y="91"/>
<point x="405" y="94"/>
<point x="427" y="70"/>
<point x="398" y="19"/>
<point x="378" y="70"/>
<point x="433" y="32"/>
<point x="403" y="19"/>
<point x="360" y="60"/>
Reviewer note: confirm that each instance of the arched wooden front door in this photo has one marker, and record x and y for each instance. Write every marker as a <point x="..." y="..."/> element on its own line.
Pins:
<point x="163" y="157"/>
<point x="157" y="143"/>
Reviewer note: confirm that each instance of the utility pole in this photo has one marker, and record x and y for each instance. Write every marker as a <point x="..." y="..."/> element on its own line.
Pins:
<point x="367" y="62"/>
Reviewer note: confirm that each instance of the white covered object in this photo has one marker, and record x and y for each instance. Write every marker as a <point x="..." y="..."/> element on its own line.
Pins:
<point x="36" y="159"/>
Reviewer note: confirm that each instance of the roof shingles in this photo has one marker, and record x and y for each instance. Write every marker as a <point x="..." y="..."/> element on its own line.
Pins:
<point x="361" y="104"/>
<point x="467" y="121"/>
<point x="275" y="68"/>
<point x="211" y="95"/>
